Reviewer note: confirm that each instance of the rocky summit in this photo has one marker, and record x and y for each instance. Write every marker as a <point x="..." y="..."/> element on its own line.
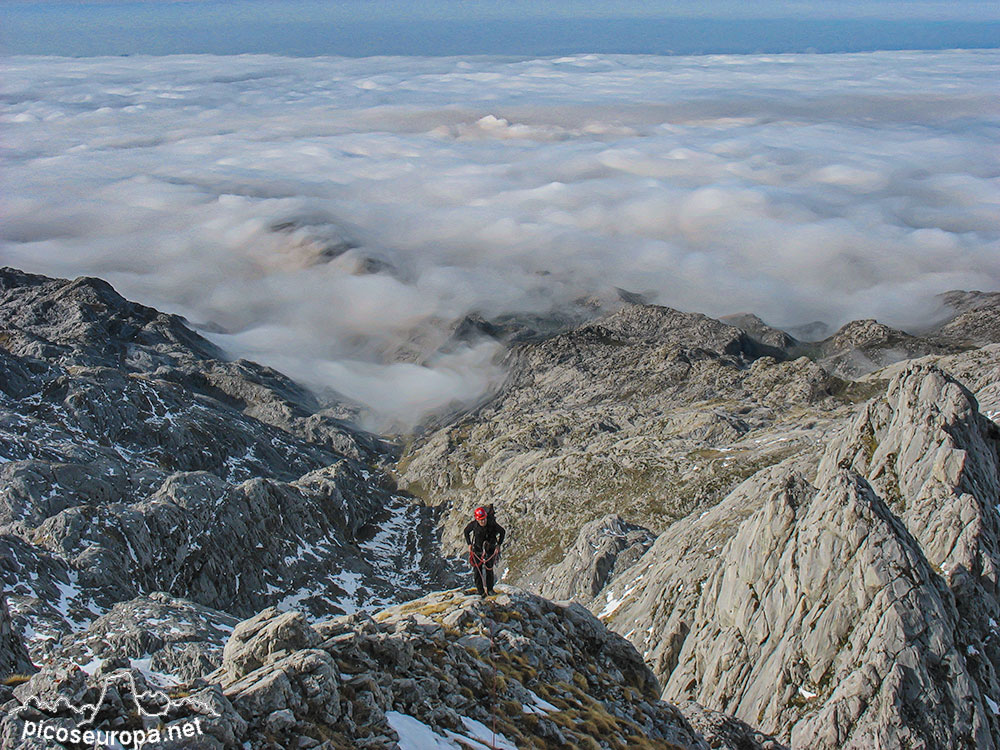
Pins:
<point x="449" y="670"/>
<point x="720" y="535"/>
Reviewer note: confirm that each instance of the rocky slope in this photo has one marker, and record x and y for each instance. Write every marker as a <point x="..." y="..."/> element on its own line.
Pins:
<point x="846" y="607"/>
<point x="135" y="458"/>
<point x="649" y="411"/>
<point x="445" y="671"/>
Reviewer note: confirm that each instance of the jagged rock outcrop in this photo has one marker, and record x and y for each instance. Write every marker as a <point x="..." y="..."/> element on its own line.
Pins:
<point x="761" y="332"/>
<point x="724" y="732"/>
<point x="933" y="457"/>
<point x="13" y="656"/>
<point x="862" y="346"/>
<point x="648" y="412"/>
<point x="164" y="634"/>
<point x="977" y="369"/>
<point x="438" y="669"/>
<point x="138" y="459"/>
<point x="603" y="546"/>
<point x="850" y="607"/>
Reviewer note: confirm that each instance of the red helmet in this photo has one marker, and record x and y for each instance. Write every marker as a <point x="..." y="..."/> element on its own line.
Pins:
<point x="480" y="514"/>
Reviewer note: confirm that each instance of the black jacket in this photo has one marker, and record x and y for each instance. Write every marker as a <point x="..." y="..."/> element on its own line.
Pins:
<point x="484" y="538"/>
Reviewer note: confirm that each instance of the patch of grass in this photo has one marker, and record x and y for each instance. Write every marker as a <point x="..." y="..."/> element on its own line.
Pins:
<point x="869" y="443"/>
<point x="16" y="679"/>
<point x="854" y="392"/>
<point x="431" y="609"/>
<point x="894" y="493"/>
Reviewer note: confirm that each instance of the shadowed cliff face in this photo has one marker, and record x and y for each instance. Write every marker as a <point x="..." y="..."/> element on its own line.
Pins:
<point x="13" y="656"/>
<point x="137" y="459"/>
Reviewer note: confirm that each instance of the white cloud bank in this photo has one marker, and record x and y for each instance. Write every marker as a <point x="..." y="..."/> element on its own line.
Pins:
<point x="799" y="187"/>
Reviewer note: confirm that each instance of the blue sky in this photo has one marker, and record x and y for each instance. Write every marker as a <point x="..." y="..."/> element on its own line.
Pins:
<point x="514" y="27"/>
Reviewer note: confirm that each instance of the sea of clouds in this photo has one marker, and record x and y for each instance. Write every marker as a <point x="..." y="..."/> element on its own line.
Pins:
<point x="334" y="217"/>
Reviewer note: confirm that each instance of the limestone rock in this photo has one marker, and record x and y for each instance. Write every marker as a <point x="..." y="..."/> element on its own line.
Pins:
<point x="976" y="369"/>
<point x="975" y="320"/>
<point x="603" y="546"/>
<point x="724" y="732"/>
<point x="256" y="641"/>
<point x="548" y="672"/>
<point x="862" y="346"/>
<point x="852" y="606"/>
<point x="176" y="636"/>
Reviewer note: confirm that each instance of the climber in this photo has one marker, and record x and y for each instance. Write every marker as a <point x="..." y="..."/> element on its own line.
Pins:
<point x="484" y="537"/>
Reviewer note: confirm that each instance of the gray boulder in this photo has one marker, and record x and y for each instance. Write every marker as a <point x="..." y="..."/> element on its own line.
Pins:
<point x="724" y="732"/>
<point x="168" y="635"/>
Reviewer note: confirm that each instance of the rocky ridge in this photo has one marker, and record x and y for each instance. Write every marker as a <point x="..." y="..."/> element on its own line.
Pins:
<point x="438" y="671"/>
<point x="849" y="606"/>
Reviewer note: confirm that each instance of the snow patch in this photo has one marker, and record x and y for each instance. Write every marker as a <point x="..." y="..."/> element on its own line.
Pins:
<point x="484" y="735"/>
<point x="415" y="735"/>
<point x="538" y="705"/>
<point x="993" y="705"/>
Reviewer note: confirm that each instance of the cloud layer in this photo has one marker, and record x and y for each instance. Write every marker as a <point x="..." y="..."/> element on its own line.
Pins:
<point x="334" y="217"/>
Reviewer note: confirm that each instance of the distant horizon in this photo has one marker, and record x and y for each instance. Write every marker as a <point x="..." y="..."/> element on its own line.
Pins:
<point x="362" y="28"/>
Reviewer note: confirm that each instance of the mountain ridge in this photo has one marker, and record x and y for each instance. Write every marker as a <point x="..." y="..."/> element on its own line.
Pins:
<point x="791" y="550"/>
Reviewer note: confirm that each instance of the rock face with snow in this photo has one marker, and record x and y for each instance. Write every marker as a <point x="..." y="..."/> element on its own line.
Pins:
<point x="442" y="671"/>
<point x="163" y="634"/>
<point x="137" y="459"/>
<point x="852" y="606"/>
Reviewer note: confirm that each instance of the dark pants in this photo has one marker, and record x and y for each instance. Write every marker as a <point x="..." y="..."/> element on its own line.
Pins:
<point x="482" y="572"/>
